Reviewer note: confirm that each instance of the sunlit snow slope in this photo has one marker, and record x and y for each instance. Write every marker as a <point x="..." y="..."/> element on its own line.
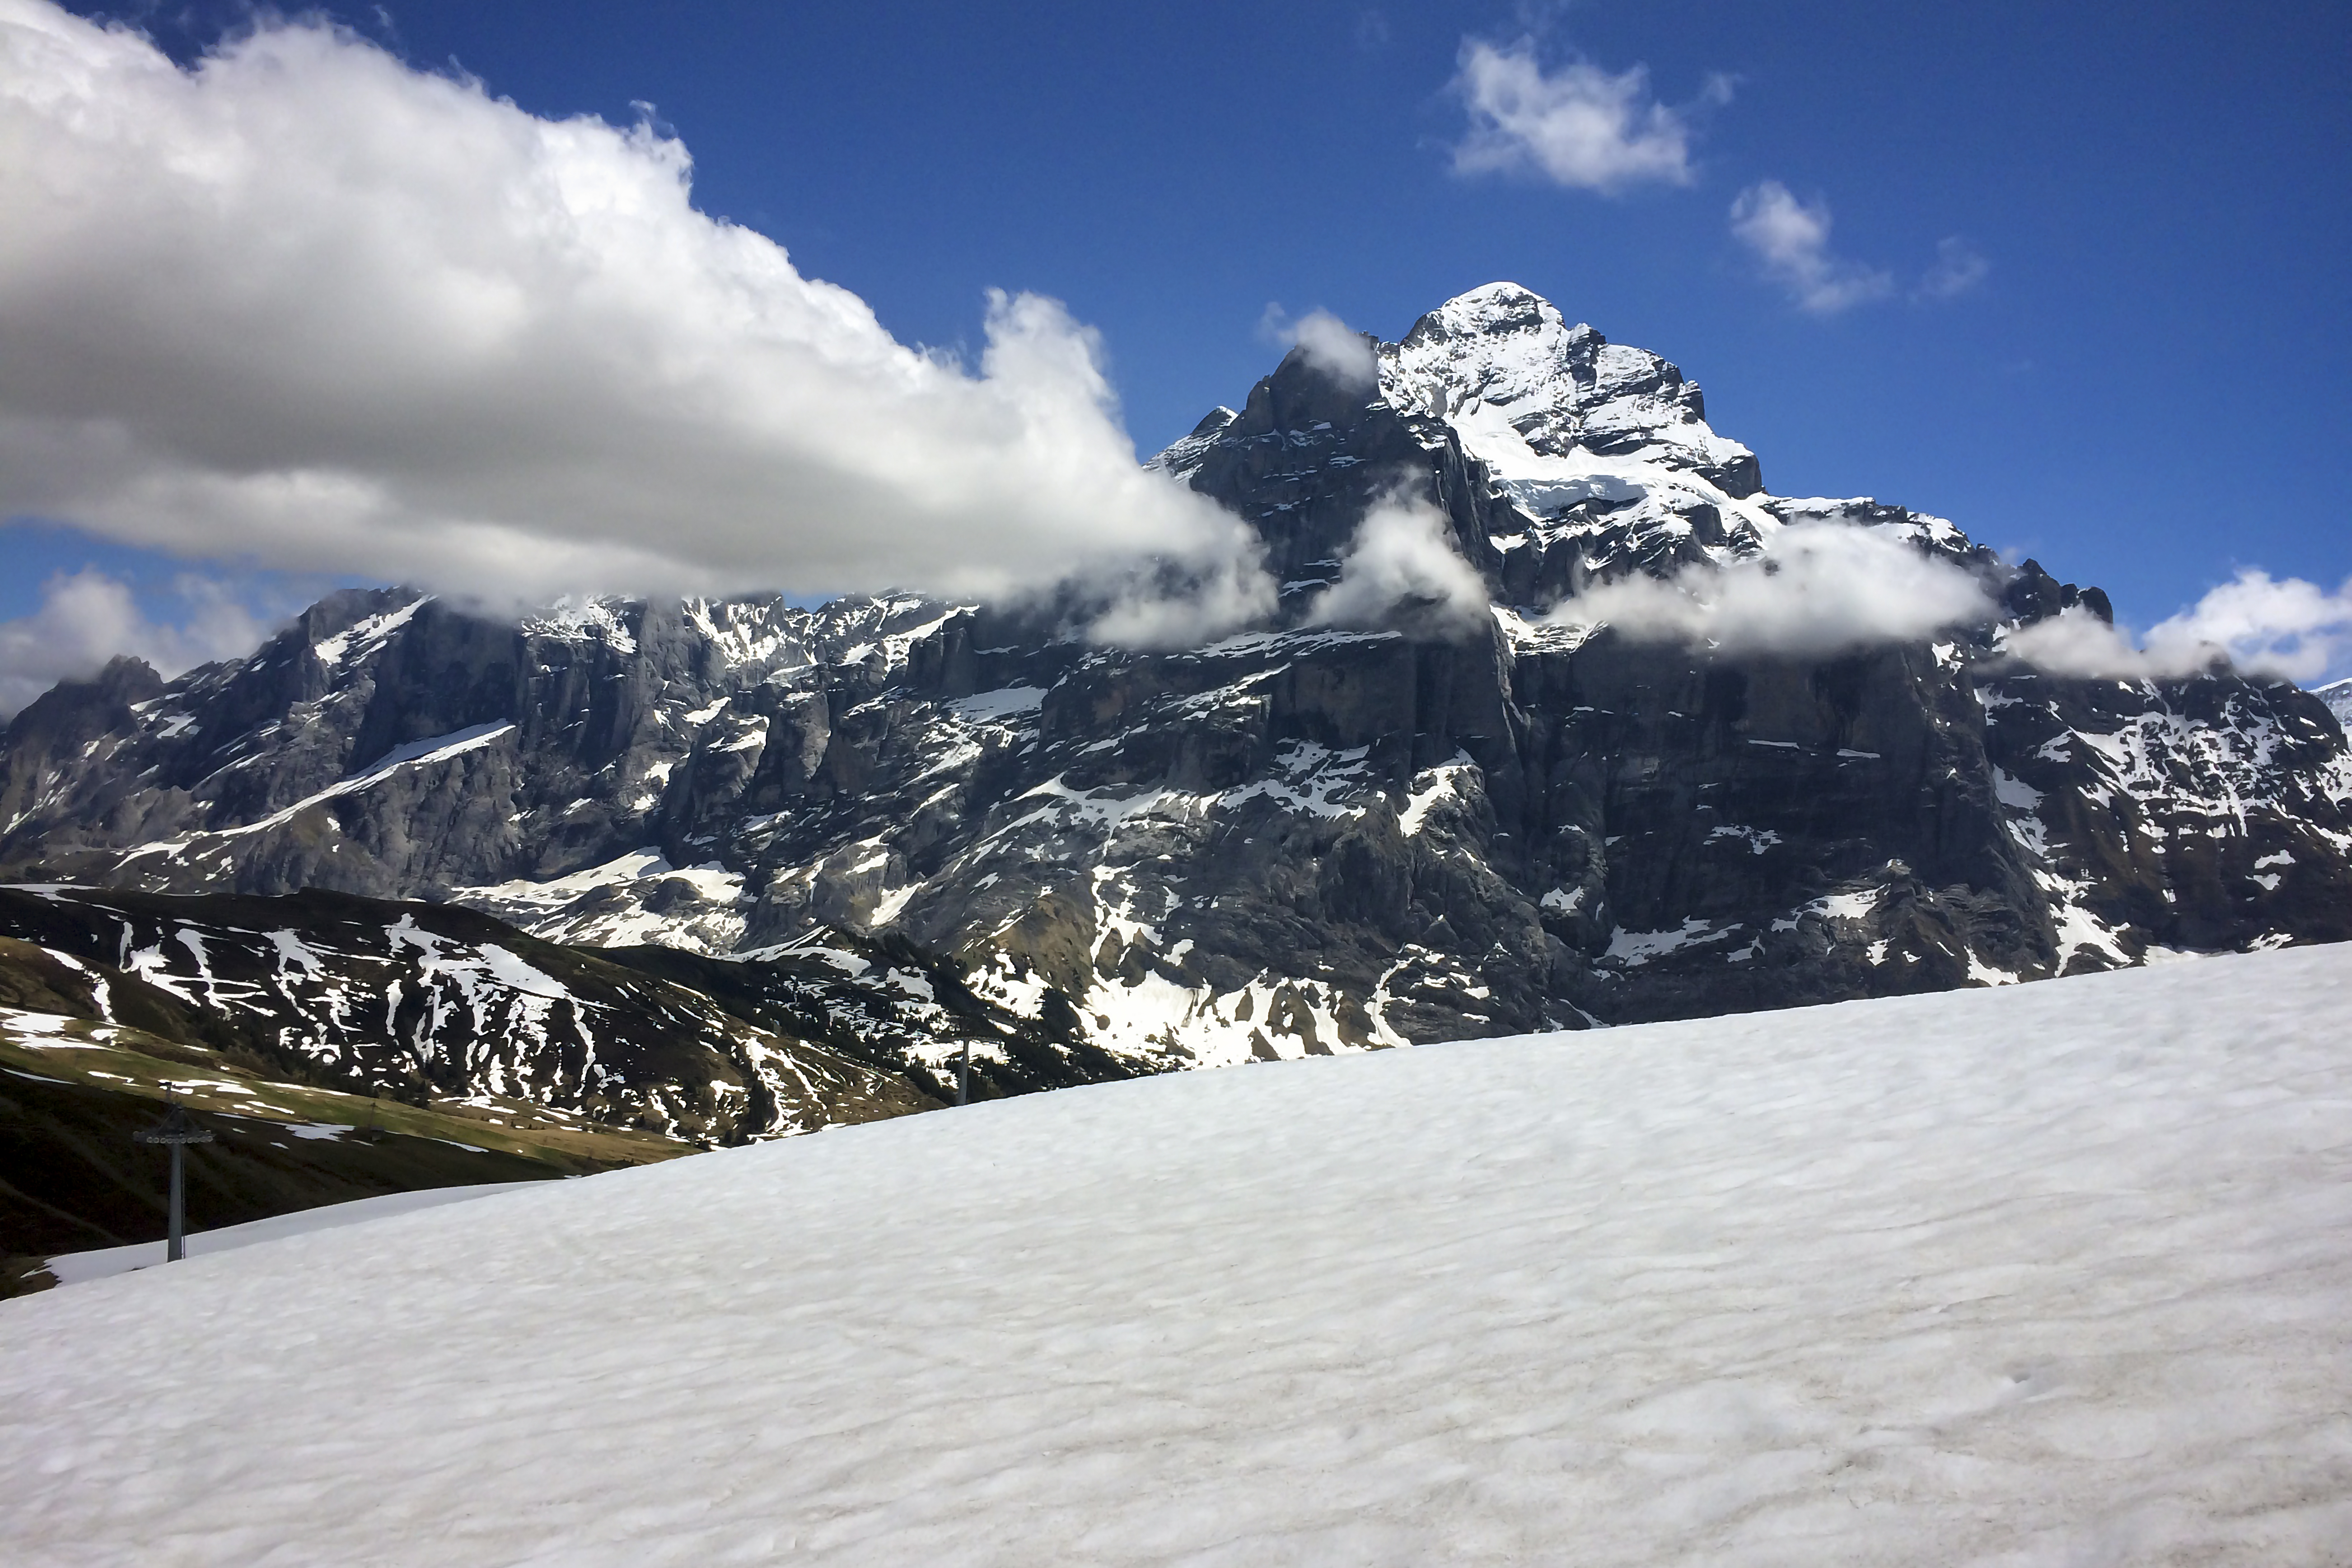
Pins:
<point x="2056" y="1274"/>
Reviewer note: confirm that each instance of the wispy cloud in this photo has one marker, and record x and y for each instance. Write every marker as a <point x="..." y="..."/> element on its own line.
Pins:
<point x="2281" y="627"/>
<point x="1580" y="126"/>
<point x="1790" y="238"/>
<point x="1792" y="241"/>
<point x="1332" y="346"/>
<point x="86" y="618"/>
<point x="307" y="304"/>
<point x="1958" y="268"/>
<point x="1169" y="605"/>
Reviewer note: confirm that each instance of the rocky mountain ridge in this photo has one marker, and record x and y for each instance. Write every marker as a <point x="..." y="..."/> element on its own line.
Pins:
<point x="437" y="1004"/>
<point x="1303" y="837"/>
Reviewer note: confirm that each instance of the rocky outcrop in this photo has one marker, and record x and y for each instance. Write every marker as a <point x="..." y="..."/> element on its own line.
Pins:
<point x="1301" y="838"/>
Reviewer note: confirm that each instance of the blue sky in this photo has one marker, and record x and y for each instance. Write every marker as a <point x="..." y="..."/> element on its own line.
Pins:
<point x="2145" y="386"/>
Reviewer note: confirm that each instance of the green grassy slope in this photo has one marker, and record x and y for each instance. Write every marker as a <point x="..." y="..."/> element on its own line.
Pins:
<point x="73" y="1092"/>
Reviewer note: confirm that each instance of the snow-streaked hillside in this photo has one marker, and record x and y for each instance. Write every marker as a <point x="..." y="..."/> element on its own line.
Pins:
<point x="2052" y="1274"/>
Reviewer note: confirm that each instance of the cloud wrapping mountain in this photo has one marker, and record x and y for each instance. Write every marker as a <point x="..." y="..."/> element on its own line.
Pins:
<point x="1168" y="607"/>
<point x="1401" y="557"/>
<point x="2283" y="627"/>
<point x="305" y="303"/>
<point x="1818" y="588"/>
<point x="1336" y="350"/>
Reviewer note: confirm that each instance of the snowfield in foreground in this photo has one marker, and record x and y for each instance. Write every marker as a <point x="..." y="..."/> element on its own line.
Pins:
<point x="73" y="1267"/>
<point x="2058" y="1274"/>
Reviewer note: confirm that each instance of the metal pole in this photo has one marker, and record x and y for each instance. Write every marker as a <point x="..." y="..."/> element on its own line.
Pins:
<point x="176" y="1246"/>
<point x="175" y="1132"/>
<point x="963" y="1074"/>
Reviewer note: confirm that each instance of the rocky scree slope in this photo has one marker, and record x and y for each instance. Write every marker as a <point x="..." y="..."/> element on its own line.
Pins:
<point x="1303" y="838"/>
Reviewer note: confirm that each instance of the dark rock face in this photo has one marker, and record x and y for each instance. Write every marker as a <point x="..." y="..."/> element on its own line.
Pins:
<point x="1296" y="840"/>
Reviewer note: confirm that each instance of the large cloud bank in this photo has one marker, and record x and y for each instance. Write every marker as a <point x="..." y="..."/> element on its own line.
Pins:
<point x="307" y="305"/>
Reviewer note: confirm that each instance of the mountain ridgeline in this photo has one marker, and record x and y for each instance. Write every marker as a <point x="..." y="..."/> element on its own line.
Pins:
<point x="1300" y="839"/>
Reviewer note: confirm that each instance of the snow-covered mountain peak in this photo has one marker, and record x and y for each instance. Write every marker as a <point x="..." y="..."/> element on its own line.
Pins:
<point x="1497" y="312"/>
<point x="1508" y="372"/>
<point x="1500" y="345"/>
<point x="2338" y="695"/>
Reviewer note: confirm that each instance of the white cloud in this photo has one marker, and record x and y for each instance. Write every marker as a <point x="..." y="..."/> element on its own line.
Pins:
<point x="87" y="617"/>
<point x="1332" y="346"/>
<point x="2076" y="642"/>
<point x="1165" y="608"/>
<point x="1958" y="268"/>
<point x="1793" y="241"/>
<point x="2286" y="627"/>
<point x="307" y="304"/>
<point x="1818" y="588"/>
<point x="1580" y="126"/>
<point x="1400" y="559"/>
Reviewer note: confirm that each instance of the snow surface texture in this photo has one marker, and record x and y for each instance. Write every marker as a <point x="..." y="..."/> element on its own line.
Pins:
<point x="2051" y="1274"/>
<point x="105" y="1262"/>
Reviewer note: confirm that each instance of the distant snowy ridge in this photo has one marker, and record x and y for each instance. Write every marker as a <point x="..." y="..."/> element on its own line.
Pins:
<point x="2052" y="1274"/>
<point x="2338" y="695"/>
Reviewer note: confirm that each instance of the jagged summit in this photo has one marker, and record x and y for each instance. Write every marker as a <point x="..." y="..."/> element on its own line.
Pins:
<point x="1563" y="458"/>
<point x="1503" y="365"/>
<point x="1559" y="458"/>
<point x="1499" y="306"/>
